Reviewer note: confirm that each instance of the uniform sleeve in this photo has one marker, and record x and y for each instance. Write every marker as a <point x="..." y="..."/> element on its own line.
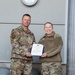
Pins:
<point x="57" y="49"/>
<point x="40" y="41"/>
<point x="34" y="39"/>
<point x="17" y="48"/>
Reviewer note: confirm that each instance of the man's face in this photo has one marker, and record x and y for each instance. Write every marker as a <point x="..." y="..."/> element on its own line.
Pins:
<point x="48" y="29"/>
<point x="26" y="21"/>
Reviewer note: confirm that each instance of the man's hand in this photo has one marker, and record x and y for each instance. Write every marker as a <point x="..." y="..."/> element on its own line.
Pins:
<point x="28" y="54"/>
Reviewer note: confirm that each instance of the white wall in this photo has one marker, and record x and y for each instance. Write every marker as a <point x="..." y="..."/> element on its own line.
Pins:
<point x="11" y="12"/>
<point x="44" y="10"/>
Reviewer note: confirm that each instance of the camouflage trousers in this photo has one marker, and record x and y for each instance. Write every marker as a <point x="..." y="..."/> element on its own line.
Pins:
<point x="52" y="68"/>
<point x="20" y="67"/>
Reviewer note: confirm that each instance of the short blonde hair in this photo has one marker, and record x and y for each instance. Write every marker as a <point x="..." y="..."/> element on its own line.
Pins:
<point x="48" y="23"/>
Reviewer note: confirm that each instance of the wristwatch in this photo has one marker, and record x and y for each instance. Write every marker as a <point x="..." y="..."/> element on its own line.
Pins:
<point x="29" y="2"/>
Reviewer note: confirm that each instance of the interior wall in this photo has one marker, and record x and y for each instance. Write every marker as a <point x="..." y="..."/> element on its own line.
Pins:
<point x="50" y="10"/>
<point x="10" y="17"/>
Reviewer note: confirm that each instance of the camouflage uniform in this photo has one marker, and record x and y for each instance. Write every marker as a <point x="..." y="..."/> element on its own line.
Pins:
<point x="52" y="68"/>
<point x="21" y="41"/>
<point x="51" y="64"/>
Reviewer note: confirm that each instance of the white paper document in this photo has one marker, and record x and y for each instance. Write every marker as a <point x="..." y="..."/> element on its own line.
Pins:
<point x="37" y="50"/>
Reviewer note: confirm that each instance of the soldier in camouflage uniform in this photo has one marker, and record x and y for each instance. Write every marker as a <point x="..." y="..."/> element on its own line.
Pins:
<point x="51" y="58"/>
<point x="22" y="39"/>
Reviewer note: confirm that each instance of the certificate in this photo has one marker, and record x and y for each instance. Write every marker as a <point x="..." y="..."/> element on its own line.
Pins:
<point x="37" y="50"/>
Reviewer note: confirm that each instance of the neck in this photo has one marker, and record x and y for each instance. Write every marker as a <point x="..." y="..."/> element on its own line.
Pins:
<point x="25" y="28"/>
<point x="48" y="35"/>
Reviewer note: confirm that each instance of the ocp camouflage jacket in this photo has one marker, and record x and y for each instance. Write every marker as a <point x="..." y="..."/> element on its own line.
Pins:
<point x="21" y="41"/>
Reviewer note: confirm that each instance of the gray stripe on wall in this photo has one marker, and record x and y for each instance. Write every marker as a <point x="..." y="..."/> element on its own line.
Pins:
<point x="71" y="38"/>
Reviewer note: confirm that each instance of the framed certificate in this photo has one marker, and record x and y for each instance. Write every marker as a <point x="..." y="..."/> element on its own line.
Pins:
<point x="37" y="50"/>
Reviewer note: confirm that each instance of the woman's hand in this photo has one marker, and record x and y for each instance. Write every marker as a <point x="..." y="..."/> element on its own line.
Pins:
<point x="44" y="55"/>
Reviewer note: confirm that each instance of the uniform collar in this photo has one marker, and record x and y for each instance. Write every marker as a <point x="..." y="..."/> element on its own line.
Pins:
<point x="26" y="31"/>
<point x="51" y="35"/>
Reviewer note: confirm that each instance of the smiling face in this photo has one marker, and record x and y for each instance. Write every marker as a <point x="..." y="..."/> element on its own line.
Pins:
<point x="48" y="27"/>
<point x="26" y="21"/>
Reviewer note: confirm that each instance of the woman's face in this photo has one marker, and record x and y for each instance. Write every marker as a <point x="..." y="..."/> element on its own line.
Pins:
<point x="48" y="29"/>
